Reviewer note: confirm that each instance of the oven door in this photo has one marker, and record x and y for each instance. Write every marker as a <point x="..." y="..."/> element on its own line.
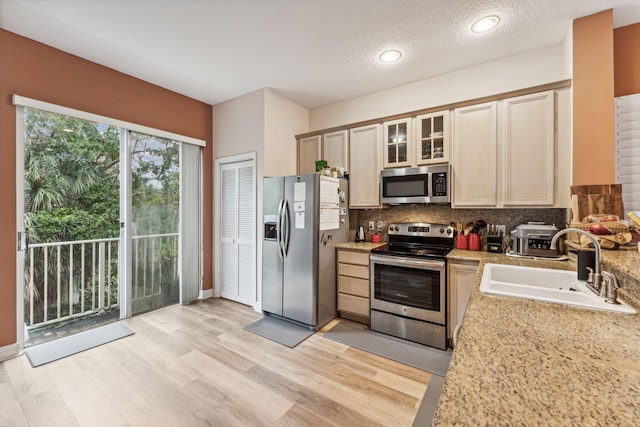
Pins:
<point x="409" y="287"/>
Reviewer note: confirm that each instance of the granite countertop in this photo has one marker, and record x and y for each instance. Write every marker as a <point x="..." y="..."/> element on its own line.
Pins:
<point x="520" y="362"/>
<point x="359" y="246"/>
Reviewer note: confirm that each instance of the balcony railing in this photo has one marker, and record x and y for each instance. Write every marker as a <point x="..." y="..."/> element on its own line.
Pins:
<point x="67" y="280"/>
<point x="70" y="279"/>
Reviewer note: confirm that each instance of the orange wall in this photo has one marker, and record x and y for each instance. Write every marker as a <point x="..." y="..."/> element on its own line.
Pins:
<point x="593" y="107"/>
<point x="626" y="54"/>
<point x="37" y="71"/>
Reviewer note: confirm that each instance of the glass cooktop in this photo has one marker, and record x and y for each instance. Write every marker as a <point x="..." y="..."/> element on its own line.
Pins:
<point x="413" y="250"/>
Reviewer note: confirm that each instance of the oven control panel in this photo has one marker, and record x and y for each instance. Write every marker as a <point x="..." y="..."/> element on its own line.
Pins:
<point x="421" y="229"/>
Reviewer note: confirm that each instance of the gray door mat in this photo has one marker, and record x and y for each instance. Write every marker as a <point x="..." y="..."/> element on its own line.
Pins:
<point x="417" y="355"/>
<point x="280" y="331"/>
<point x="72" y="344"/>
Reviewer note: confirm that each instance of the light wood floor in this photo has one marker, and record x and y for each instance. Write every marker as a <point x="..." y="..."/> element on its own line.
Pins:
<point x="195" y="366"/>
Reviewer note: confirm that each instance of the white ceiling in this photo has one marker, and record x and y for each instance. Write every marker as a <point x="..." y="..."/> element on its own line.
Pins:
<point x="314" y="52"/>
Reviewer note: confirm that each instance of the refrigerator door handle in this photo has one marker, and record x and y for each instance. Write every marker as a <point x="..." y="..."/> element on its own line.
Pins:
<point x="279" y="228"/>
<point x="286" y="227"/>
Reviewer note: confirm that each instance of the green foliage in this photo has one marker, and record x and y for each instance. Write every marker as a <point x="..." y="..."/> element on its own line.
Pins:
<point x="72" y="193"/>
<point x="71" y="178"/>
<point x="155" y="184"/>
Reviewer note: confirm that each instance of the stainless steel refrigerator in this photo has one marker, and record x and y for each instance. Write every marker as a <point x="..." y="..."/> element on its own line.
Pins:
<point x="305" y="216"/>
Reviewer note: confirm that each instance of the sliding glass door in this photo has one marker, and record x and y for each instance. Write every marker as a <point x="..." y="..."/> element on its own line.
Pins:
<point x="70" y="216"/>
<point x="155" y="222"/>
<point x="108" y="221"/>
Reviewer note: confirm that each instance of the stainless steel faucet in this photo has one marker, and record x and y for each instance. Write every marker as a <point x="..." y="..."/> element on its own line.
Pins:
<point x="602" y="283"/>
<point x="609" y="288"/>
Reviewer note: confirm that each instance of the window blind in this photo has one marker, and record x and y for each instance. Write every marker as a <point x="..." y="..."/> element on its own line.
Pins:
<point x="628" y="150"/>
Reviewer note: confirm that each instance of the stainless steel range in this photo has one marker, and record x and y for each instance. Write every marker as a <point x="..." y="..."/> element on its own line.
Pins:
<point x="409" y="283"/>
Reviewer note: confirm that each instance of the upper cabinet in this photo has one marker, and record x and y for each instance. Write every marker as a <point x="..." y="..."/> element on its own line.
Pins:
<point x="426" y="143"/>
<point x="335" y="149"/>
<point x="527" y="145"/>
<point x="397" y="143"/>
<point x="432" y="138"/>
<point x="504" y="153"/>
<point x="511" y="153"/>
<point x="474" y="161"/>
<point x="309" y="150"/>
<point x="332" y="147"/>
<point x="365" y="157"/>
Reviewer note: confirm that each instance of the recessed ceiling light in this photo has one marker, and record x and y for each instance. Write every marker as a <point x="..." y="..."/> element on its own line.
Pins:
<point x="390" y="56"/>
<point x="485" y="24"/>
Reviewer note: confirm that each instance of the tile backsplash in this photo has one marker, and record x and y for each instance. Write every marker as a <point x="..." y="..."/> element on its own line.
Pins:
<point x="444" y="214"/>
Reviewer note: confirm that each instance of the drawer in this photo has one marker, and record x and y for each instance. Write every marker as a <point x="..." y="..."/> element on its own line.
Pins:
<point x="356" y="305"/>
<point x="353" y="286"/>
<point x="351" y="270"/>
<point x="361" y="258"/>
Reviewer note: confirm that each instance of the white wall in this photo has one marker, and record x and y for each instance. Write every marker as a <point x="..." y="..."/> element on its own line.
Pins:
<point x="284" y="119"/>
<point x="517" y="72"/>
<point x="238" y="126"/>
<point x="265" y="123"/>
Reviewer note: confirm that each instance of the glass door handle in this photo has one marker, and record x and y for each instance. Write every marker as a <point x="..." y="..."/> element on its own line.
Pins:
<point x="23" y="241"/>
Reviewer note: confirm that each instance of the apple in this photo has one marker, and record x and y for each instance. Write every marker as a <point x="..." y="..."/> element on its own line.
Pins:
<point x="600" y="229"/>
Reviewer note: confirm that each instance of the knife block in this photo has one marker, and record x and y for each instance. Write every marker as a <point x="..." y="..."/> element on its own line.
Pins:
<point x="494" y="243"/>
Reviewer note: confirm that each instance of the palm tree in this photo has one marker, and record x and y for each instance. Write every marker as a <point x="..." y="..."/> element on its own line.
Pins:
<point x="71" y="189"/>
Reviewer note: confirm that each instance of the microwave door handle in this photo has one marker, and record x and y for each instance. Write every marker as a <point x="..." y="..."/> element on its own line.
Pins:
<point x="279" y="228"/>
<point x="429" y="191"/>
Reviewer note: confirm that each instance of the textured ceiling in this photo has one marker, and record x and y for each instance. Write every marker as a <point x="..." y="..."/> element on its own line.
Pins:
<point x="314" y="52"/>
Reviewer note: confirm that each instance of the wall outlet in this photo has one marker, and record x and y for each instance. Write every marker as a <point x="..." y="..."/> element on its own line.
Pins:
<point x="501" y="229"/>
<point x="371" y="226"/>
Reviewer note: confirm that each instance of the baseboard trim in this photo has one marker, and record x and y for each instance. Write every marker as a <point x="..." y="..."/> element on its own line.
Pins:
<point x="258" y="306"/>
<point x="9" y="351"/>
<point x="206" y="293"/>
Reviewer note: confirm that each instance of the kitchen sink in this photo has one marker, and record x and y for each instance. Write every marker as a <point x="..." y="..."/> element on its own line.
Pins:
<point x="544" y="284"/>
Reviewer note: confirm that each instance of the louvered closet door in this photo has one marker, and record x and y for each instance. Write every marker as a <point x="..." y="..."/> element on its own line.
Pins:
<point x="628" y="150"/>
<point x="238" y="232"/>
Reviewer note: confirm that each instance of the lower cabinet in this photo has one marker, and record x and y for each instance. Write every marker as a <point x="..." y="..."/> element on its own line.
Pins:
<point x="461" y="277"/>
<point x="353" y="285"/>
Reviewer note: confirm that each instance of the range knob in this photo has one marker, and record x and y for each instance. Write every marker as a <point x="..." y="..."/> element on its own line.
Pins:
<point x="449" y="231"/>
<point x="441" y="230"/>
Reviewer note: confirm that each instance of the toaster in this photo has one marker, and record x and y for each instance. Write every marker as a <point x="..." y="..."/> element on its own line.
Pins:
<point x="533" y="239"/>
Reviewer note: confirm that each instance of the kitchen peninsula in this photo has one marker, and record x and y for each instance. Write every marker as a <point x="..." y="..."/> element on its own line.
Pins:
<point x="520" y="362"/>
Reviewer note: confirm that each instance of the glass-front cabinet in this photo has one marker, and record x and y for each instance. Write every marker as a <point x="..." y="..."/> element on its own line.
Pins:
<point x="432" y="138"/>
<point x="397" y="143"/>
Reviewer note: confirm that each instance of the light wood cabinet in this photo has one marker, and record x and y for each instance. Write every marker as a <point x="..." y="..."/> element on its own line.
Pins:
<point x="527" y="146"/>
<point x="397" y="143"/>
<point x="332" y="147"/>
<point x="504" y="153"/>
<point x="335" y="149"/>
<point x="432" y="138"/>
<point x="474" y="160"/>
<point x="309" y="150"/>
<point x="353" y="285"/>
<point x="461" y="277"/>
<point x="365" y="165"/>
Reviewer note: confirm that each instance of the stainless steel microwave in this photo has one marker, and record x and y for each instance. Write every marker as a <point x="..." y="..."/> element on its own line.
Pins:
<point x="424" y="184"/>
